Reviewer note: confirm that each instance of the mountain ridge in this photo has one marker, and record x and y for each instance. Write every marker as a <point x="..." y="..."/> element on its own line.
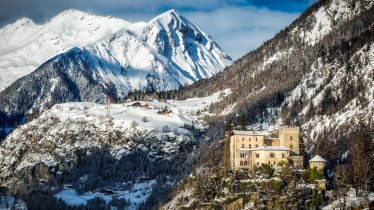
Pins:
<point x="166" y="53"/>
<point x="23" y="52"/>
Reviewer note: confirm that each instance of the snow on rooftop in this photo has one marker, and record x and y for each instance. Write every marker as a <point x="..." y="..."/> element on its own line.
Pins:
<point x="250" y="133"/>
<point x="267" y="148"/>
<point x="317" y="158"/>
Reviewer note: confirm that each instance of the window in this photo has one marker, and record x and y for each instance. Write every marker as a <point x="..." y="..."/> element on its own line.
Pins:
<point x="272" y="155"/>
<point x="256" y="139"/>
<point x="243" y="138"/>
<point x="241" y="163"/>
<point x="274" y="162"/>
<point x="242" y="145"/>
<point x="243" y="155"/>
<point x="257" y="155"/>
<point x="250" y="146"/>
<point x="258" y="163"/>
<point x="269" y="162"/>
<point x="249" y="139"/>
<point x="283" y="155"/>
<point x="245" y="163"/>
<point x="291" y="138"/>
<point x="256" y="145"/>
<point x="291" y="146"/>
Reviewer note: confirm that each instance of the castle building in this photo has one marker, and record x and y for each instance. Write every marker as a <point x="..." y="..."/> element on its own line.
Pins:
<point x="250" y="148"/>
<point x="317" y="162"/>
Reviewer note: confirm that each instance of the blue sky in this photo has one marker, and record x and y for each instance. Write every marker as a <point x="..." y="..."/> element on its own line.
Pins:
<point x="238" y="26"/>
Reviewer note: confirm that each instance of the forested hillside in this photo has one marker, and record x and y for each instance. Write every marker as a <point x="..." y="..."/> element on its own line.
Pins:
<point x="318" y="74"/>
<point x="323" y="84"/>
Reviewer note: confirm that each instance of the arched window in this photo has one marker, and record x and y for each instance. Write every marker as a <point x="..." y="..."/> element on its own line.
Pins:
<point x="245" y="163"/>
<point x="241" y="163"/>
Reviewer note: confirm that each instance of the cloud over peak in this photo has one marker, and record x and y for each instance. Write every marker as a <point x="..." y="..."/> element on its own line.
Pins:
<point x="238" y="26"/>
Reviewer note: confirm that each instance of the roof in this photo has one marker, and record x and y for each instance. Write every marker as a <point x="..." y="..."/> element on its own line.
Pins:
<point x="249" y="133"/>
<point x="267" y="148"/>
<point x="317" y="158"/>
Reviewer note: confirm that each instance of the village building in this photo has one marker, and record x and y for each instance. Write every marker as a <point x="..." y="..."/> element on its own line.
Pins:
<point x="254" y="148"/>
<point x="317" y="162"/>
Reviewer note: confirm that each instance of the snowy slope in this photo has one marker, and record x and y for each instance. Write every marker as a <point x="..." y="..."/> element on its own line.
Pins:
<point x="53" y="138"/>
<point x="326" y="18"/>
<point x="168" y="42"/>
<point x="317" y="25"/>
<point x="25" y="45"/>
<point x="330" y="84"/>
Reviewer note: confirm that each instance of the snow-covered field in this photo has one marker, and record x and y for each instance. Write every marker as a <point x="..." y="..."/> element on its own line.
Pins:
<point x="351" y="200"/>
<point x="133" y="197"/>
<point x="147" y="115"/>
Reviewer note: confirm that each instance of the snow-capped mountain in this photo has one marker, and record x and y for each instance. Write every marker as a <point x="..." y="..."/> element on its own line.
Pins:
<point x="25" y="45"/>
<point x="169" y="43"/>
<point x="100" y="56"/>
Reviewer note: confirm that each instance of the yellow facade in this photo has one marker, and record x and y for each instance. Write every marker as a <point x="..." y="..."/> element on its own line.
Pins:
<point x="248" y="141"/>
<point x="317" y="162"/>
<point x="250" y="148"/>
<point x="318" y="165"/>
<point x="272" y="142"/>
<point x="289" y="137"/>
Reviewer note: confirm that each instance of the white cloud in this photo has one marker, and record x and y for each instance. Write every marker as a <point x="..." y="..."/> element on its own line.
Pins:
<point x="240" y="30"/>
<point x="237" y="30"/>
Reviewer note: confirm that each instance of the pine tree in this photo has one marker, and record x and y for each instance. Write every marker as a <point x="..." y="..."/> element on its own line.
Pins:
<point x="243" y="122"/>
<point x="226" y="155"/>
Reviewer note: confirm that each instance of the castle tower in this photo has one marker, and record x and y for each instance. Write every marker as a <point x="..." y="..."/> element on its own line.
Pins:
<point x="290" y="138"/>
<point x="317" y="162"/>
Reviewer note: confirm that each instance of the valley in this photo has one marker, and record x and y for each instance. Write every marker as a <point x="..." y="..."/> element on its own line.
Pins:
<point x="110" y="114"/>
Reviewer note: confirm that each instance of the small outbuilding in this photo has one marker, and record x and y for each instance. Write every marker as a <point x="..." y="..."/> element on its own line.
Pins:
<point x="317" y="162"/>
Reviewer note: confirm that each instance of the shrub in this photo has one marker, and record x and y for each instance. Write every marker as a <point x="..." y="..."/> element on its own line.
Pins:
<point x="314" y="174"/>
<point x="145" y="119"/>
<point x="165" y="129"/>
<point x="134" y="124"/>
<point x="267" y="169"/>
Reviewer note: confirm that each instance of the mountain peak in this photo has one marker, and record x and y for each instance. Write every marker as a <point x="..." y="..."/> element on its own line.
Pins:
<point x="168" y="17"/>
<point x="22" y="22"/>
<point x="25" y="20"/>
<point x="71" y="13"/>
<point x="172" y="12"/>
